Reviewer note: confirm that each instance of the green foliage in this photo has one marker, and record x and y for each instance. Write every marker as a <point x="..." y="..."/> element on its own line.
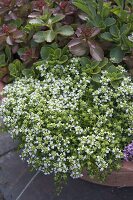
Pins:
<point x="16" y="68"/>
<point x="116" y="55"/>
<point x="114" y="18"/>
<point x="94" y="70"/>
<point x="5" y="56"/>
<point x="119" y="36"/>
<point x="51" y="34"/>
<point x="29" y="72"/>
<point x="98" y="12"/>
<point x="26" y="26"/>
<point x="54" y="54"/>
<point x="2" y="60"/>
<point x="85" y="26"/>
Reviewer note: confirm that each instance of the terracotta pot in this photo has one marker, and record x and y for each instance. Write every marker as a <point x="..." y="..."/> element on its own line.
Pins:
<point x="121" y="178"/>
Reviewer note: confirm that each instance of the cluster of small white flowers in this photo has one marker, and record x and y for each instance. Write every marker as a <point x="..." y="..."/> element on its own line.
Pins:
<point x="69" y="69"/>
<point x="130" y="37"/>
<point x="99" y="140"/>
<point x="59" y="128"/>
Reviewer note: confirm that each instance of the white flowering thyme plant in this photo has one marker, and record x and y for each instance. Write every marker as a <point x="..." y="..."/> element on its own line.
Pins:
<point x="66" y="123"/>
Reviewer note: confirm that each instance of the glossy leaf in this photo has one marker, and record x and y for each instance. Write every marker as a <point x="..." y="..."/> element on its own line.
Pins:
<point x="8" y="53"/>
<point x="110" y="21"/>
<point x="28" y="72"/>
<point x="57" y="18"/>
<point x="63" y="59"/>
<point x="106" y="36"/>
<point x="39" y="37"/>
<point x="44" y="52"/>
<point x="116" y="55"/>
<point x="16" y="68"/>
<point x="57" y="53"/>
<point x="83" y="7"/>
<point x="96" y="78"/>
<point x="49" y="35"/>
<point x="114" y="31"/>
<point x="84" y="61"/>
<point x="36" y="21"/>
<point x="65" y="30"/>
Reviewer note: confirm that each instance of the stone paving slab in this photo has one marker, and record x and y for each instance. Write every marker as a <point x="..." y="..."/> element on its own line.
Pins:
<point x="42" y="189"/>
<point x="1" y="196"/>
<point x="6" y="144"/>
<point x="14" y="174"/>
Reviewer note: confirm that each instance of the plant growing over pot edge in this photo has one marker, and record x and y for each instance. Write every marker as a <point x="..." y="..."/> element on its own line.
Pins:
<point x="64" y="127"/>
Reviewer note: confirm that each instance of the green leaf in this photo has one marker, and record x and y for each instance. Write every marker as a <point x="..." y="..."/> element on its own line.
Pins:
<point x="115" y="84"/>
<point x="53" y="45"/>
<point x="106" y="10"/>
<point x="110" y="21"/>
<point x="98" y="22"/>
<point x="95" y="64"/>
<point x="103" y="63"/>
<point x="125" y="29"/>
<point x="57" y="53"/>
<point x="96" y="78"/>
<point x="21" y="51"/>
<point x="82" y="7"/>
<point x="126" y="43"/>
<point x="100" y="6"/>
<point x="49" y="35"/>
<point x="112" y="69"/>
<point x="8" y="53"/>
<point x="97" y="70"/>
<point x="84" y="61"/>
<point x="65" y="50"/>
<point x="18" y="22"/>
<point x="57" y="18"/>
<point x="92" y="8"/>
<point x="39" y="37"/>
<point x="114" y="31"/>
<point x="16" y="68"/>
<point x="65" y="30"/>
<point x="30" y="27"/>
<point x="44" y="52"/>
<point x="116" y="55"/>
<point x="63" y="59"/>
<point x="2" y="60"/>
<point x="106" y="36"/>
<point x="36" y="22"/>
<point x="28" y="72"/>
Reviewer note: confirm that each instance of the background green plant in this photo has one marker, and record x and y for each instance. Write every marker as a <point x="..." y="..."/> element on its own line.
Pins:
<point x="96" y="29"/>
<point x="114" y="18"/>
